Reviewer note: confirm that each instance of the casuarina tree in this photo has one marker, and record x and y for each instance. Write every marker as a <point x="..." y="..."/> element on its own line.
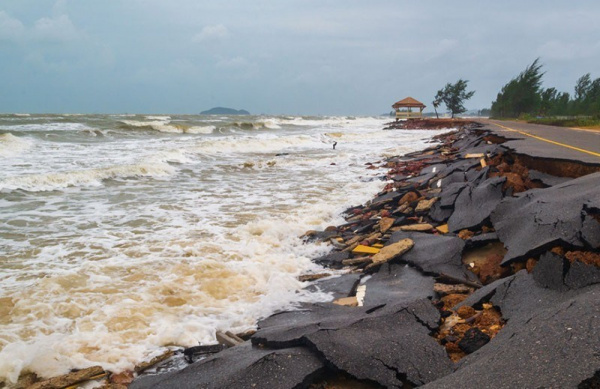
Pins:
<point x="454" y="95"/>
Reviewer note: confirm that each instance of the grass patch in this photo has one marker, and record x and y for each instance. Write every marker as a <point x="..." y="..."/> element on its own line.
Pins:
<point x="570" y="122"/>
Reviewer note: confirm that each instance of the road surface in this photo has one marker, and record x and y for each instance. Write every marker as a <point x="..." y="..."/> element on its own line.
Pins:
<point x="549" y="141"/>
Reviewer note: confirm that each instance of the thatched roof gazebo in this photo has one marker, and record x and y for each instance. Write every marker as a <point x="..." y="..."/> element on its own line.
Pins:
<point x="404" y="108"/>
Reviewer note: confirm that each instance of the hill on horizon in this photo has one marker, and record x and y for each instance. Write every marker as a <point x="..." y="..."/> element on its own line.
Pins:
<point x="224" y="111"/>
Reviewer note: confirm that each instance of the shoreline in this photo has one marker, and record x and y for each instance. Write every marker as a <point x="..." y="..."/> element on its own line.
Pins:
<point x="423" y="262"/>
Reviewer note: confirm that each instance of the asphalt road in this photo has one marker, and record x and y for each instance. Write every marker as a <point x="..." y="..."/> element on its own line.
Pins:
<point x="549" y="141"/>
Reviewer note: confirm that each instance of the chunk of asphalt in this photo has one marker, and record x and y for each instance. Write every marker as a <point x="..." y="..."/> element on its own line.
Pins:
<point x="460" y="165"/>
<point x="435" y="254"/>
<point x="581" y="275"/>
<point x="384" y="199"/>
<point x="333" y="260"/>
<point x="438" y="213"/>
<point x="473" y="340"/>
<point x="286" y="329"/>
<point x="340" y="286"/>
<point x="395" y="283"/>
<point x="551" y="342"/>
<point x="547" y="179"/>
<point x="391" y="349"/>
<point x="422" y="180"/>
<point x="590" y="230"/>
<point x="482" y="240"/>
<point x="454" y="177"/>
<point x="475" y="204"/>
<point x="450" y="193"/>
<point x="484" y="294"/>
<point x="521" y="296"/>
<point x="541" y="218"/>
<point x="242" y="367"/>
<point x="436" y="168"/>
<point x="549" y="271"/>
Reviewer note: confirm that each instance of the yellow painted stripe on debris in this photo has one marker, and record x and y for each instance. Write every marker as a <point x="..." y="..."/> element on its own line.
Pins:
<point x="550" y="141"/>
<point x="443" y="229"/>
<point x="360" y="249"/>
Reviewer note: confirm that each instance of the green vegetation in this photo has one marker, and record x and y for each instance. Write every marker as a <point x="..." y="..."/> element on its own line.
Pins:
<point x="453" y="96"/>
<point x="523" y="97"/>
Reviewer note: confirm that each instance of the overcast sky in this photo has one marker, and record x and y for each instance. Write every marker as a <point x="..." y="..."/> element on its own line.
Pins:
<point x="324" y="57"/>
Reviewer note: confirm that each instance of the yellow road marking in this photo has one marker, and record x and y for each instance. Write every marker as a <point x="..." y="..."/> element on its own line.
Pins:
<point x="584" y="129"/>
<point x="549" y="141"/>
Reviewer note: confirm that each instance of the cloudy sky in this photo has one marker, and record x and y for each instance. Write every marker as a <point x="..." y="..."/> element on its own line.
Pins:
<point x="281" y="57"/>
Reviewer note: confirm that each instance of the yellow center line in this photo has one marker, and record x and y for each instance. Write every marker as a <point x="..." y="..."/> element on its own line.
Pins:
<point x="549" y="141"/>
<point x="584" y="129"/>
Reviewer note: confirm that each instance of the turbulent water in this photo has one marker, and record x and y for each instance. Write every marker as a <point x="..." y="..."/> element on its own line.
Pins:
<point x="124" y="235"/>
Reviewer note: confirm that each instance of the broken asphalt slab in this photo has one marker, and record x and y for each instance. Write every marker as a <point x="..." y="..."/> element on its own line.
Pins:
<point x="390" y="350"/>
<point x="397" y="283"/>
<point x="540" y="218"/>
<point x="474" y="204"/>
<point x="339" y="286"/>
<point x="242" y="367"/>
<point x="550" y="340"/>
<point x="435" y="254"/>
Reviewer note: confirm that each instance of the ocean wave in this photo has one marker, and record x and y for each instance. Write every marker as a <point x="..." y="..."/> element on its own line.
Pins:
<point x="11" y="145"/>
<point x="270" y="124"/>
<point x="82" y="178"/>
<point x="167" y="126"/>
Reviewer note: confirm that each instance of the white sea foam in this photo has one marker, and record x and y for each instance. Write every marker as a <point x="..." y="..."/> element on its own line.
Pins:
<point x="160" y="118"/>
<point x="11" y="145"/>
<point x="48" y="127"/>
<point x="92" y="177"/>
<point x="200" y="130"/>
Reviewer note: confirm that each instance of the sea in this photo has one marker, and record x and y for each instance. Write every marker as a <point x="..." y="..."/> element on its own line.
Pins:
<point x="123" y="236"/>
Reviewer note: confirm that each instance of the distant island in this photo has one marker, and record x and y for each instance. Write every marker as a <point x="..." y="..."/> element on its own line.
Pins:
<point x="224" y="111"/>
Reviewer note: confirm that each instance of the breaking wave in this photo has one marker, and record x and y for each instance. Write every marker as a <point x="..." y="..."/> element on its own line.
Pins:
<point x="167" y="126"/>
<point x="271" y="124"/>
<point x="11" y="145"/>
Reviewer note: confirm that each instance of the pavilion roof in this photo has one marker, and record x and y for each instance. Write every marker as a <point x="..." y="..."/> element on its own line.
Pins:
<point x="408" y="102"/>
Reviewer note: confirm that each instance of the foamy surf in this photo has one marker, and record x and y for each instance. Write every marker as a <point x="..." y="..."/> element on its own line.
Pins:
<point x="83" y="178"/>
<point x="174" y="237"/>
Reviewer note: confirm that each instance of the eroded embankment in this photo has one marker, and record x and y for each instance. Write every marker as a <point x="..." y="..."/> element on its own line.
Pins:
<point x="470" y="253"/>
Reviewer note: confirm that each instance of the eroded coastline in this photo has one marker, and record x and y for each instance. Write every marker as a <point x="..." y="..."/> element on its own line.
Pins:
<point x="467" y="255"/>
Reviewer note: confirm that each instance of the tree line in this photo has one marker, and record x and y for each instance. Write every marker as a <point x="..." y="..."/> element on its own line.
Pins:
<point x="525" y="96"/>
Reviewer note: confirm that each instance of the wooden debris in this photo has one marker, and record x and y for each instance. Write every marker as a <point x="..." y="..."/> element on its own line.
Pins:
<point x="145" y="365"/>
<point x="386" y="223"/>
<point x="94" y="372"/>
<point x="224" y="338"/>
<point x="446" y="289"/>
<point x="475" y="155"/>
<point x="312" y="277"/>
<point x="357" y="261"/>
<point x="347" y="301"/>
<point x="425" y="205"/>
<point x="417" y="227"/>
